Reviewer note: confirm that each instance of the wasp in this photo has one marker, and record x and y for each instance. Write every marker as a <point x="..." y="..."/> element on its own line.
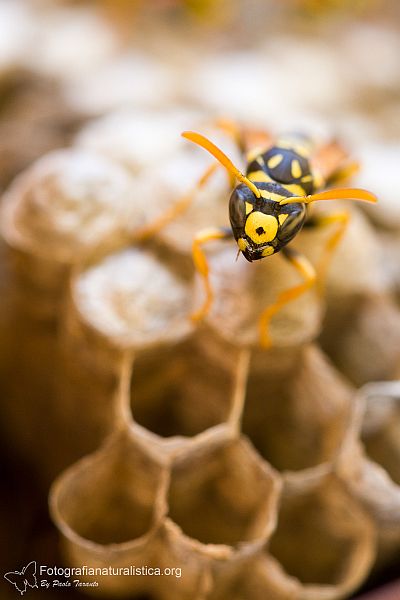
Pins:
<point x="269" y="207"/>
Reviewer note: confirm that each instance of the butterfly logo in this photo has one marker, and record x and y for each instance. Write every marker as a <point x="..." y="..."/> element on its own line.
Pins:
<point x="23" y="578"/>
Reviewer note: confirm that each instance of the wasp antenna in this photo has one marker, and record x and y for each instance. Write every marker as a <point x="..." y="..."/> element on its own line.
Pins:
<point x="205" y="143"/>
<point x="334" y="194"/>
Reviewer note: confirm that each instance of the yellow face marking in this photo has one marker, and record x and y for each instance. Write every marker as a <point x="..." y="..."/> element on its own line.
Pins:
<point x="296" y="169"/>
<point x="296" y="189"/>
<point x="307" y="178"/>
<point x="261" y="228"/>
<point x="242" y="244"/>
<point x="282" y="219"/>
<point x="274" y="161"/>
<point x="249" y="208"/>
<point x="268" y="251"/>
<point x="259" y="176"/>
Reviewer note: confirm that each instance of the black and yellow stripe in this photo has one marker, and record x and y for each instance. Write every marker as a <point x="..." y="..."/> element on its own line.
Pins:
<point x="286" y="163"/>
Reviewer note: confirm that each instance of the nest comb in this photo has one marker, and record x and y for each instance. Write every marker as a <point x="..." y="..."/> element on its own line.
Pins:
<point x="193" y="447"/>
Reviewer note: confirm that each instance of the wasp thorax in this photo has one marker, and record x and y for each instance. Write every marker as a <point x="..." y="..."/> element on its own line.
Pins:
<point x="286" y="164"/>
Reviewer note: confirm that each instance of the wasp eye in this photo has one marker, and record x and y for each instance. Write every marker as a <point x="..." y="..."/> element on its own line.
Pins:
<point x="291" y="222"/>
<point x="241" y="201"/>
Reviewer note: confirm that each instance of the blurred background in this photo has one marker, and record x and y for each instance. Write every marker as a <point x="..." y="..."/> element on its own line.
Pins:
<point x="310" y="64"/>
<point x="78" y="68"/>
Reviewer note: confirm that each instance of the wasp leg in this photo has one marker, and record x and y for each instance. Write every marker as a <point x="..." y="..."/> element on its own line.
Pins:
<point x="341" y="219"/>
<point x="176" y="209"/>
<point x="307" y="271"/>
<point x="201" y="264"/>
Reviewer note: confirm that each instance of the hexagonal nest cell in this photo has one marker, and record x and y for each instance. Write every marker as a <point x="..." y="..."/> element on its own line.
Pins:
<point x="167" y="442"/>
<point x="180" y="391"/>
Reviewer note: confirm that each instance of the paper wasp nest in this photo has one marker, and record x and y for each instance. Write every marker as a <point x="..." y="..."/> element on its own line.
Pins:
<point x="184" y="445"/>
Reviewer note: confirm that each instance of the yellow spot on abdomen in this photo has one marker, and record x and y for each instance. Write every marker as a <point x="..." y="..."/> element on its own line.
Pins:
<point x="301" y="149"/>
<point x="261" y="228"/>
<point x="274" y="161"/>
<point x="296" y="169"/>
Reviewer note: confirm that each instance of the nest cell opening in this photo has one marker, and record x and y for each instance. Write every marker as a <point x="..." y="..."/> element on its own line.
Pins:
<point x="133" y="299"/>
<point x="110" y="497"/>
<point x="296" y="414"/>
<point x="179" y="391"/>
<point x="317" y="536"/>
<point x="223" y="495"/>
<point x="381" y="434"/>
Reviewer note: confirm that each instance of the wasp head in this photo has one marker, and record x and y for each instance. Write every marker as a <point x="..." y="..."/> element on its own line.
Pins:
<point x="261" y="226"/>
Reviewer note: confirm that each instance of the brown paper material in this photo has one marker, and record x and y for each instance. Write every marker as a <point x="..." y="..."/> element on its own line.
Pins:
<point x="62" y="207"/>
<point x="297" y="410"/>
<point x="109" y="508"/>
<point x="324" y="539"/>
<point x="124" y="304"/>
